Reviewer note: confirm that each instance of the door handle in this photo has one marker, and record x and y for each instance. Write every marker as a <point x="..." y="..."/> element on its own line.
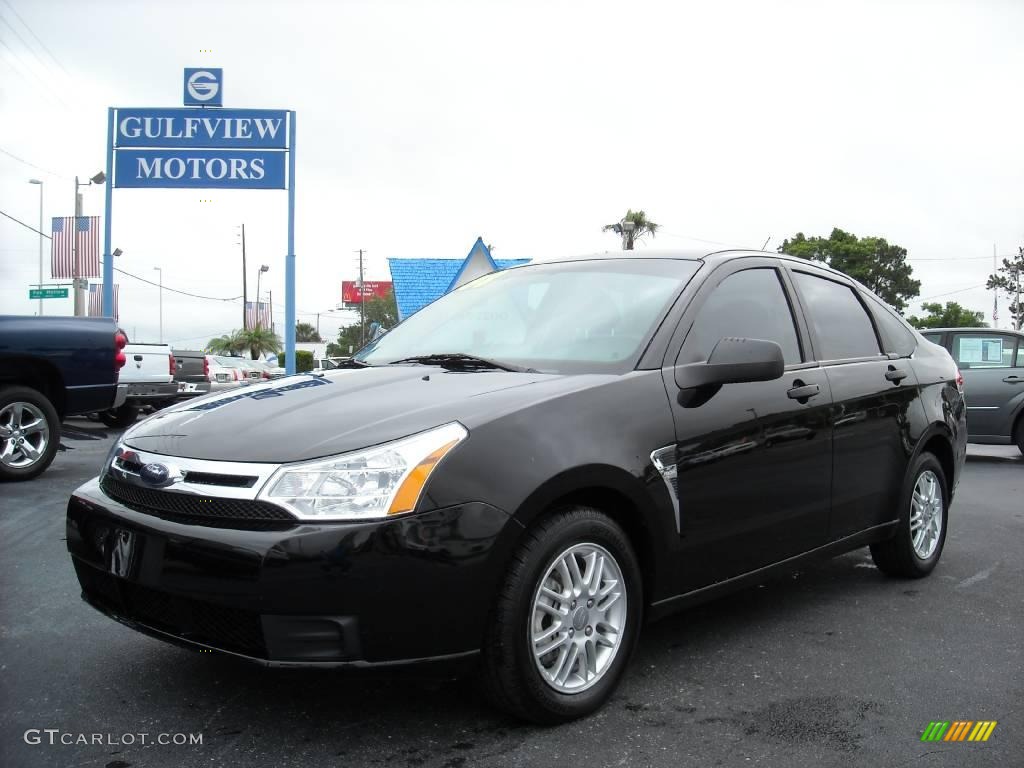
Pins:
<point x="896" y="375"/>
<point x="1014" y="379"/>
<point x="803" y="392"/>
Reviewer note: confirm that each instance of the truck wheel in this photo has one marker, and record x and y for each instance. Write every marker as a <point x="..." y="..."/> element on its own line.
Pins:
<point x="29" y="433"/>
<point x="120" y="418"/>
<point x="566" y="619"/>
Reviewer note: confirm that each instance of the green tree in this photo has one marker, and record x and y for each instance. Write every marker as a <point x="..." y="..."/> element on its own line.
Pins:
<point x="228" y="344"/>
<point x="878" y="264"/>
<point x="630" y="234"/>
<point x="1009" y="278"/>
<point x="306" y="332"/>
<point x="950" y="316"/>
<point x="259" y="341"/>
<point x="382" y="310"/>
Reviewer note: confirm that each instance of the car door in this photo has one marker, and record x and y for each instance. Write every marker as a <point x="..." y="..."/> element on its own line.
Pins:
<point x="753" y="460"/>
<point x="993" y="387"/>
<point x="871" y="394"/>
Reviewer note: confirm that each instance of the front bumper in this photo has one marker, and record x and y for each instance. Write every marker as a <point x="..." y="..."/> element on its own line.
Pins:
<point x="415" y="588"/>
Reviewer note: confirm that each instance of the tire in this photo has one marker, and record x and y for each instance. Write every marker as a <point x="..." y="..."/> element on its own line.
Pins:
<point x="1019" y="433"/>
<point x="29" y="433"/>
<point x="120" y="418"/>
<point x="898" y="556"/>
<point x="517" y="681"/>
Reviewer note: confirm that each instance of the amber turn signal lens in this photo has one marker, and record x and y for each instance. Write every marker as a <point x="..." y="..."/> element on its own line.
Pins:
<point x="409" y="492"/>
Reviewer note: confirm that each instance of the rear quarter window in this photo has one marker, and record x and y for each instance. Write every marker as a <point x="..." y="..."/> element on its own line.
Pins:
<point x="897" y="337"/>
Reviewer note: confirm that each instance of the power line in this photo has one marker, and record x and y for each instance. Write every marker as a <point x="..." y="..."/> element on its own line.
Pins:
<point x="31" y="71"/>
<point x="36" y="38"/>
<point x="949" y="293"/>
<point x="33" y="165"/>
<point x="123" y="272"/>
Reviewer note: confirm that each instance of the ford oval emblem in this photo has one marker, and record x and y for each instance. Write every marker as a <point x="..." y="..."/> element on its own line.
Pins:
<point x="154" y="474"/>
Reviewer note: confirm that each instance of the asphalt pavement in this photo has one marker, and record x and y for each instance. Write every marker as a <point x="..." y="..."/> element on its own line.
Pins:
<point x="834" y="665"/>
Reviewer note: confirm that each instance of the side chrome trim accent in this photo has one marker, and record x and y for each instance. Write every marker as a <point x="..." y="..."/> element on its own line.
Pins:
<point x="664" y="460"/>
<point x="237" y="480"/>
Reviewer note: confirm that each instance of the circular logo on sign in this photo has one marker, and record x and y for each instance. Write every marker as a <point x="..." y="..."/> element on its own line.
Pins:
<point x="154" y="474"/>
<point x="202" y="85"/>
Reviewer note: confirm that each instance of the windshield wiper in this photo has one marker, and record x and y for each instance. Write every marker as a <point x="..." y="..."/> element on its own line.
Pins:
<point x="460" y="361"/>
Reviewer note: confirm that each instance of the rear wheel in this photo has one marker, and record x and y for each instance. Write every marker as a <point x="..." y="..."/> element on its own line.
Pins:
<point x="566" y="619"/>
<point x="921" y="533"/>
<point x="120" y="418"/>
<point x="1019" y="432"/>
<point x="29" y="433"/>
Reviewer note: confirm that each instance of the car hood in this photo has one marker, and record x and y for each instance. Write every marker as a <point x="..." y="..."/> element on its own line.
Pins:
<point x="309" y="416"/>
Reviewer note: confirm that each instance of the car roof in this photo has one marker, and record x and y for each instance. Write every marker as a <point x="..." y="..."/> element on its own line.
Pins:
<point x="707" y="255"/>
<point x="1019" y="334"/>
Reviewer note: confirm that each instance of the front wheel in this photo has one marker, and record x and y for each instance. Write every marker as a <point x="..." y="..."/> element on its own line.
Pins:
<point x="29" y="433"/>
<point x="921" y="534"/>
<point x="566" y="619"/>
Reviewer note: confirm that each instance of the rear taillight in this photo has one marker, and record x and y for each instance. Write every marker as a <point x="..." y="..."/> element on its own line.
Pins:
<point x="266" y="374"/>
<point x="206" y="368"/>
<point x="172" y="365"/>
<point x="959" y="380"/>
<point x="234" y="374"/>
<point x="119" y="358"/>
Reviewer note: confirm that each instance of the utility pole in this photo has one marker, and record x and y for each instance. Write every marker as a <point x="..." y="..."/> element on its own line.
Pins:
<point x="362" y="303"/>
<point x="161" y="271"/>
<point x="40" y="184"/>
<point x="245" y="299"/>
<point x="76" y="281"/>
<point x="995" y="291"/>
<point x="270" y="301"/>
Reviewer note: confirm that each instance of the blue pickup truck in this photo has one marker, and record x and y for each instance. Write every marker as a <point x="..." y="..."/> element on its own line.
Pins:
<point x="52" y="368"/>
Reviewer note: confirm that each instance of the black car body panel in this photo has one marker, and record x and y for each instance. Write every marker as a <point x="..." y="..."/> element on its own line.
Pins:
<point x="713" y="490"/>
<point x="69" y="359"/>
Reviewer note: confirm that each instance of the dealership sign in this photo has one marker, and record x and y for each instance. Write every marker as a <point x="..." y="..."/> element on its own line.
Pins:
<point x="350" y="293"/>
<point x="203" y="146"/>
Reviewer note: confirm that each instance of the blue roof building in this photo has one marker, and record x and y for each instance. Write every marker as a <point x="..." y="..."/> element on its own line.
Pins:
<point x="417" y="282"/>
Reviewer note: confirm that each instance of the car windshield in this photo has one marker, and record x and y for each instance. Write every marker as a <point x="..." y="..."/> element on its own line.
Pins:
<point x="581" y="316"/>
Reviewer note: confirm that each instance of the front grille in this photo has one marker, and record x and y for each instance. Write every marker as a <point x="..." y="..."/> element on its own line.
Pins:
<point x="210" y="511"/>
<point x="232" y="629"/>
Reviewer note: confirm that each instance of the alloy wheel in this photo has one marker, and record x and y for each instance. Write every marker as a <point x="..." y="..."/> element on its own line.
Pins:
<point x="24" y="435"/>
<point x="926" y="514"/>
<point x="578" y="618"/>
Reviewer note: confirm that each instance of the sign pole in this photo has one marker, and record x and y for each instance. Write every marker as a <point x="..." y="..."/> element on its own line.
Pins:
<point x="289" y="266"/>
<point x="108" y="260"/>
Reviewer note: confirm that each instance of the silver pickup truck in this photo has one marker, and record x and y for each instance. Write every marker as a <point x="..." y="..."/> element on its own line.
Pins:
<point x="149" y="373"/>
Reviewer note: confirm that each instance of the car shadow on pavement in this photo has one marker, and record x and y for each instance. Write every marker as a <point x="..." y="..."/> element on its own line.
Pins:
<point x="444" y="720"/>
<point x="82" y="431"/>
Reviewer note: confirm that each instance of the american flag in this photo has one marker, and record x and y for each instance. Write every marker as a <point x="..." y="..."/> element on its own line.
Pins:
<point x="257" y="317"/>
<point x="86" y="241"/>
<point x="96" y="300"/>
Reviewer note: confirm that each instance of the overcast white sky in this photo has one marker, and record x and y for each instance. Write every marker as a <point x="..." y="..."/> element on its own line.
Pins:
<point x="422" y="125"/>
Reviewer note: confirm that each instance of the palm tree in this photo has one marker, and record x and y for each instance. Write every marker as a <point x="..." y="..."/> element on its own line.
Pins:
<point x="228" y="344"/>
<point x="632" y="227"/>
<point x="306" y="332"/>
<point x="259" y="341"/>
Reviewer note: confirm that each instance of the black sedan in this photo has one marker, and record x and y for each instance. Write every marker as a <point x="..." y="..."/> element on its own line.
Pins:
<point x="522" y="472"/>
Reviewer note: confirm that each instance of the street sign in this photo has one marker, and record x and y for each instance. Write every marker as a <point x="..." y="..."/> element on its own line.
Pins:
<point x="191" y="128"/>
<point x="204" y="86"/>
<point x="200" y="169"/>
<point x="47" y="293"/>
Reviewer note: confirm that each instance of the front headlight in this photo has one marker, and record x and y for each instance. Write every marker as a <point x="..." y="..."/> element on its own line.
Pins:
<point x="373" y="483"/>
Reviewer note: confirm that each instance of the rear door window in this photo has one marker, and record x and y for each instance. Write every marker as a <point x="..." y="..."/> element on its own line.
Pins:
<point x="749" y="304"/>
<point x="988" y="350"/>
<point x="841" y="326"/>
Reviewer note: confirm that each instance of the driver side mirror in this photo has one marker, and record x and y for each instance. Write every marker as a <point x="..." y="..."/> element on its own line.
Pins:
<point x="734" y="361"/>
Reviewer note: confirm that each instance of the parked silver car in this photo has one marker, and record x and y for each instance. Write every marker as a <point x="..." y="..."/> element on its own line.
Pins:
<point x="992" y="364"/>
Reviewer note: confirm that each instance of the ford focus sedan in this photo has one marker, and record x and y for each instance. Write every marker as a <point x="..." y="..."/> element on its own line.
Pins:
<point x="523" y="472"/>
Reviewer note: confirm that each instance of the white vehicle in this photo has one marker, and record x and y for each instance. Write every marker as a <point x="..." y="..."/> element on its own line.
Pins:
<point x="221" y="376"/>
<point x="149" y="373"/>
